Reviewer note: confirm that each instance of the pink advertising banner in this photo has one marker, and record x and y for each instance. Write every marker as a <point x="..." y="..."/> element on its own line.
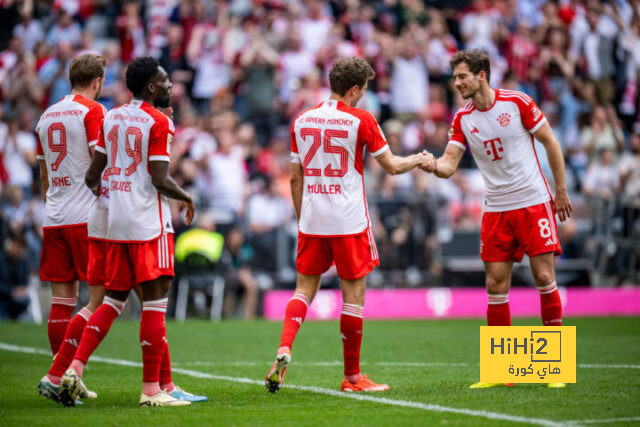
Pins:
<point x="460" y="302"/>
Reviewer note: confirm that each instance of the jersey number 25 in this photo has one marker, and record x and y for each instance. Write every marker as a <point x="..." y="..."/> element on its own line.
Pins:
<point x="318" y="136"/>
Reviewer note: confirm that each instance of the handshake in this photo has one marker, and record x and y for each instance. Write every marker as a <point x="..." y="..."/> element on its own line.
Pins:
<point x="426" y="161"/>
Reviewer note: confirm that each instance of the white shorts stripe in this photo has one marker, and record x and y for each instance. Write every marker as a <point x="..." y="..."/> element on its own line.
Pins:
<point x="552" y="222"/>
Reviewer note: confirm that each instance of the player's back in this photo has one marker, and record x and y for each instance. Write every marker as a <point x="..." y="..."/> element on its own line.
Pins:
<point x="133" y="136"/>
<point x="65" y="133"/>
<point x="329" y="141"/>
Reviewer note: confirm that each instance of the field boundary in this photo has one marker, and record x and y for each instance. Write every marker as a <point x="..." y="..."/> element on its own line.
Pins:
<point x="318" y="390"/>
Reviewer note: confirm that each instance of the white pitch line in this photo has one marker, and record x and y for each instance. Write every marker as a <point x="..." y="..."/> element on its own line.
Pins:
<point x="604" y="421"/>
<point x="318" y="390"/>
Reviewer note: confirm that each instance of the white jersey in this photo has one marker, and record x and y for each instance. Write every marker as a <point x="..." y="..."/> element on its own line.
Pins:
<point x="133" y="136"/>
<point x="501" y="142"/>
<point x="65" y="132"/>
<point x="98" y="226"/>
<point x="329" y="141"/>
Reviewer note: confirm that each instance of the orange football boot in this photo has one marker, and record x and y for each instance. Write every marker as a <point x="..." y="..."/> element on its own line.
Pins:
<point x="363" y="384"/>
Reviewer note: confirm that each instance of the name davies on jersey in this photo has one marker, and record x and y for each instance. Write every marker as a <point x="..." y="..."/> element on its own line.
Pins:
<point x="324" y="189"/>
<point x="121" y="186"/>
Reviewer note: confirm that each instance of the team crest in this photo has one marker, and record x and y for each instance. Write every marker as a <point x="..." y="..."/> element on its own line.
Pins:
<point x="504" y="119"/>
<point x="450" y="131"/>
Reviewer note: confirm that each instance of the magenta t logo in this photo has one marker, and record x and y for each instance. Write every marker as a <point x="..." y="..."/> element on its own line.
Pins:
<point x="494" y="148"/>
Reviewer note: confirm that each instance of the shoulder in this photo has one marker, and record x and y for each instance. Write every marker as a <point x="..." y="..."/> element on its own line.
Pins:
<point x="365" y="117"/>
<point x="519" y="98"/>
<point x="90" y="104"/>
<point x="159" y="118"/>
<point x="467" y="108"/>
<point x="304" y="113"/>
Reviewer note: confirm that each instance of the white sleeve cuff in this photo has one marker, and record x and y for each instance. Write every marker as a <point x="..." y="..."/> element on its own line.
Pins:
<point x="294" y="158"/>
<point x="380" y="151"/>
<point x="40" y="156"/>
<point x="92" y="143"/>
<point x="458" y="144"/>
<point x="101" y="149"/>
<point x="159" y="158"/>
<point x="536" y="127"/>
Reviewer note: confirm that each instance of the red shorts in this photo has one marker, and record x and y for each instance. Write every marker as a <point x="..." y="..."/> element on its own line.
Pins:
<point x="355" y="256"/>
<point x="97" y="262"/>
<point x="64" y="253"/>
<point x="133" y="263"/>
<point x="507" y="236"/>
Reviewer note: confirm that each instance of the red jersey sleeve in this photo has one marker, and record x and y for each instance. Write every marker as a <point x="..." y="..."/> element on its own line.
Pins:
<point x="371" y="134"/>
<point x="39" y="152"/>
<point x="93" y="124"/>
<point x="100" y="145"/>
<point x="456" y="136"/>
<point x="160" y="139"/>
<point x="295" y="157"/>
<point x="531" y="116"/>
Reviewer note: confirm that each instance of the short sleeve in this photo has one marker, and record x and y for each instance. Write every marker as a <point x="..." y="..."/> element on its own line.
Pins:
<point x="531" y="116"/>
<point x="93" y="124"/>
<point x="456" y="136"/>
<point x="39" y="151"/>
<point x="160" y="140"/>
<point x="100" y="145"/>
<point x="371" y="134"/>
<point x="295" y="157"/>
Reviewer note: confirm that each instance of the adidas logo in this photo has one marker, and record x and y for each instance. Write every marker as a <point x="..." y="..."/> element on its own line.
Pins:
<point x="474" y="130"/>
<point x="72" y="341"/>
<point x="94" y="328"/>
<point x="297" y="319"/>
<point x="144" y="342"/>
<point x="549" y="243"/>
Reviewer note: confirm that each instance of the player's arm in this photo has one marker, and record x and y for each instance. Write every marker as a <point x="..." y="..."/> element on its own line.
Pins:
<point x="556" y="160"/>
<point x="44" y="178"/>
<point x="395" y="165"/>
<point x="167" y="186"/>
<point x="296" y="177"/>
<point x="446" y="165"/>
<point x="92" y="177"/>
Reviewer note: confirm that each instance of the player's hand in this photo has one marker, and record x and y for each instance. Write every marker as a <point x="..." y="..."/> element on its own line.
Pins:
<point x="563" y="205"/>
<point x="190" y="211"/>
<point x="168" y="112"/>
<point x="96" y="190"/>
<point x="428" y="161"/>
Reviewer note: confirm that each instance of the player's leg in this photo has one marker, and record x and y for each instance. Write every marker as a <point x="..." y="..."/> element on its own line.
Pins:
<point x="64" y="297"/>
<point x="498" y="283"/>
<point x="153" y="340"/>
<point x="542" y="267"/>
<point x="294" y="315"/>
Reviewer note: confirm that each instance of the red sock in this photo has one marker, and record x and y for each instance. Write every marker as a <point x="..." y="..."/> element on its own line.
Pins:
<point x="294" y="315"/>
<point x="498" y="311"/>
<point x="59" y="316"/>
<point x="95" y="330"/>
<point x="550" y="305"/>
<point x="351" y="331"/>
<point x="166" y="382"/>
<point x="152" y="332"/>
<point x="69" y="345"/>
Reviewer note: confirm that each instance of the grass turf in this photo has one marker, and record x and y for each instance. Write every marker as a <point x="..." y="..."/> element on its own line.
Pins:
<point x="239" y="349"/>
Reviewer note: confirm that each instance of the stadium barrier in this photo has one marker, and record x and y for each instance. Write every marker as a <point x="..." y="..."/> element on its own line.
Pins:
<point x="426" y="303"/>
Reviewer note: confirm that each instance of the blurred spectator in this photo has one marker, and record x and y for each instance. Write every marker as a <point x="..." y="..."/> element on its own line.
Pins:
<point x="239" y="280"/>
<point x="295" y="63"/>
<point x="29" y="30"/>
<point x="18" y="148"/>
<point x="53" y="73"/>
<point x="66" y="30"/>
<point x="131" y="32"/>
<point x="409" y="81"/>
<point x="602" y="178"/>
<point x="14" y="275"/>
<point x="602" y="133"/>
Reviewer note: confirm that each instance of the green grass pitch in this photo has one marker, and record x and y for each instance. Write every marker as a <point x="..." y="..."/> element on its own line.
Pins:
<point x="428" y="365"/>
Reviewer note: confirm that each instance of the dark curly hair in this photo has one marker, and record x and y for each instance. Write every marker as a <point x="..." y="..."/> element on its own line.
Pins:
<point x="140" y="72"/>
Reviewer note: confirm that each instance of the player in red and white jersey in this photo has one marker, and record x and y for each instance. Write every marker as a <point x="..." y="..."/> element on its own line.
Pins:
<point x="498" y="127"/>
<point x="134" y="148"/>
<point x="328" y="143"/>
<point x="67" y="133"/>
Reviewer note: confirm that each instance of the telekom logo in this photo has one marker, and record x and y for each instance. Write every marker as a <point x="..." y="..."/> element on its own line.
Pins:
<point x="494" y="148"/>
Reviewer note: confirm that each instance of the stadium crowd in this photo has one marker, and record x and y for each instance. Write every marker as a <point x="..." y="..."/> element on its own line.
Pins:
<point x="242" y="70"/>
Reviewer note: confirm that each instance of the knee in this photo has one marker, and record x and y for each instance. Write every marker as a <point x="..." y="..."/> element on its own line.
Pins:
<point x="497" y="287"/>
<point x="544" y="277"/>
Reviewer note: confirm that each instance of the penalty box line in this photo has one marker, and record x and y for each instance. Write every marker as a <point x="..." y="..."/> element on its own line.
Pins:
<point x="317" y="390"/>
